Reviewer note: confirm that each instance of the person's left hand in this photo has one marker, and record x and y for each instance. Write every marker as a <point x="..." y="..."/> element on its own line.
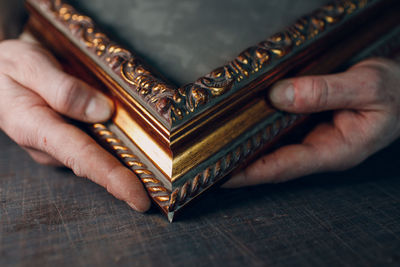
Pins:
<point x="366" y="104"/>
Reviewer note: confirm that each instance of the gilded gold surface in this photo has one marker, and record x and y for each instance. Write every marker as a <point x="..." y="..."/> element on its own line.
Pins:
<point x="207" y="145"/>
<point x="143" y="140"/>
<point x="185" y="157"/>
<point x="176" y="151"/>
<point x="174" y="107"/>
<point x="159" y="193"/>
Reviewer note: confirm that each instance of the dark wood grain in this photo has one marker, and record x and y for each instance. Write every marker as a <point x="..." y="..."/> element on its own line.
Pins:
<point x="49" y="217"/>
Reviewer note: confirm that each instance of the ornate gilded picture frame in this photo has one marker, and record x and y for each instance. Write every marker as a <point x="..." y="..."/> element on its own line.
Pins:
<point x="181" y="141"/>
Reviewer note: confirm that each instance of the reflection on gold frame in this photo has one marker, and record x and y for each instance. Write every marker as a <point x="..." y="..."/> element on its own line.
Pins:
<point x="181" y="141"/>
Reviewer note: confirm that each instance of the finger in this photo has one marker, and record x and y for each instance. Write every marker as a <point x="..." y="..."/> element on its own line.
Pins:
<point x="34" y="68"/>
<point x="353" y="89"/>
<point x="27" y="37"/>
<point x="286" y="163"/>
<point x="324" y="149"/>
<point x="33" y="124"/>
<point x="43" y="158"/>
<point x="86" y="158"/>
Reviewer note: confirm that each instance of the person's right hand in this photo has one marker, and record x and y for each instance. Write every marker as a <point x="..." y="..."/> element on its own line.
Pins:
<point x="34" y="94"/>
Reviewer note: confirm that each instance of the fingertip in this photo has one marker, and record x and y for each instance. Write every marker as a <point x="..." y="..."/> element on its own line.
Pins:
<point x="141" y="207"/>
<point x="236" y="180"/>
<point x="138" y="200"/>
<point x="99" y="108"/>
<point x="125" y="185"/>
<point x="282" y="94"/>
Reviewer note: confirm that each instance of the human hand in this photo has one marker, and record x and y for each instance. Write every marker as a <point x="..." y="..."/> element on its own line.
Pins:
<point x="34" y="96"/>
<point x="366" y="104"/>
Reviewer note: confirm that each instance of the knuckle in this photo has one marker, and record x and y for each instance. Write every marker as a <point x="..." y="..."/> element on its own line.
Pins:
<point x="375" y="85"/>
<point x="76" y="162"/>
<point x="316" y="92"/>
<point x="67" y="93"/>
<point x="72" y="163"/>
<point x="376" y="73"/>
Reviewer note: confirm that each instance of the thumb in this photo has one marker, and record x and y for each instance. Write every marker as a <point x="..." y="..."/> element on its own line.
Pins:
<point x="326" y="92"/>
<point x="62" y="92"/>
<point x="76" y="99"/>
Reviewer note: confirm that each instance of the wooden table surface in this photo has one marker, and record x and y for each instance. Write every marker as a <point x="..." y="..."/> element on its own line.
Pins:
<point x="49" y="217"/>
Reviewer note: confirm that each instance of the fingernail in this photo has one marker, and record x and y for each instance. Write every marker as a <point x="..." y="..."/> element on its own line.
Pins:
<point x="132" y="205"/>
<point x="282" y="94"/>
<point x="99" y="108"/>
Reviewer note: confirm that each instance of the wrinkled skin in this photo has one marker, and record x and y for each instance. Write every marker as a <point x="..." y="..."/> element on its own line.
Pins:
<point x="35" y="95"/>
<point x="366" y="104"/>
